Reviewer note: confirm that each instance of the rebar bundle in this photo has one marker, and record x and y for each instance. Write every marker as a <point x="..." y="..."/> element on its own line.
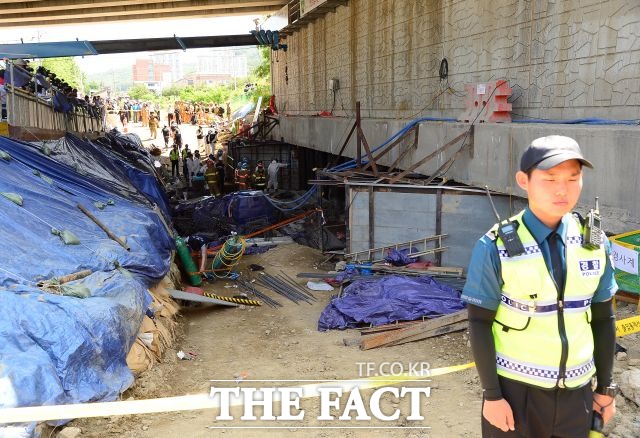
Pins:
<point x="284" y="286"/>
<point x="249" y="288"/>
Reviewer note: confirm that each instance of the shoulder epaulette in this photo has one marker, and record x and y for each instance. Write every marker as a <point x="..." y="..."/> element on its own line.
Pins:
<point x="578" y="217"/>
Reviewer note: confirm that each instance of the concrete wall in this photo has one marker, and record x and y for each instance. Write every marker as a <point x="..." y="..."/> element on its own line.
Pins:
<point x="400" y="216"/>
<point x="494" y="160"/>
<point x="564" y="59"/>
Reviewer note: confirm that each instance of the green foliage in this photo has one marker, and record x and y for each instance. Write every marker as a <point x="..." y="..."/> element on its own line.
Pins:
<point x="93" y="86"/>
<point x="66" y="69"/>
<point x="263" y="70"/>
<point x="141" y="92"/>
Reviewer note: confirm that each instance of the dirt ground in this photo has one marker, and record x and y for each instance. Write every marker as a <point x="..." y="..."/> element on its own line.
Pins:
<point x="284" y="343"/>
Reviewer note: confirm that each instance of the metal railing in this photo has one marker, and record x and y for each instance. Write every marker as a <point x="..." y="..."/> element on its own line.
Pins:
<point x="24" y="109"/>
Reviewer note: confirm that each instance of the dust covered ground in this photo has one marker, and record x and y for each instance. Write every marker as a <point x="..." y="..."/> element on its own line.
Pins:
<point x="284" y="343"/>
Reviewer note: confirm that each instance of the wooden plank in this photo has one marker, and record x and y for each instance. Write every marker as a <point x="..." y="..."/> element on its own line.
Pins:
<point x="386" y="327"/>
<point x="386" y="338"/>
<point x="462" y="325"/>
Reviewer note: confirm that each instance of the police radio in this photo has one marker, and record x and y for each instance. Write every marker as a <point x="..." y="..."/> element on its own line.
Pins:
<point x="508" y="232"/>
<point x="592" y="233"/>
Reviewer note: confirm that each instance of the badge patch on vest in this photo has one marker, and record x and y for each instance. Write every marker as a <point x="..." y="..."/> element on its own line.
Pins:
<point x="590" y="268"/>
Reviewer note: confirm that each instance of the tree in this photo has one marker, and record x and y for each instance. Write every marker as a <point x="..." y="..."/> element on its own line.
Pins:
<point x="263" y="70"/>
<point x="90" y="86"/>
<point x="66" y="69"/>
<point x="141" y="92"/>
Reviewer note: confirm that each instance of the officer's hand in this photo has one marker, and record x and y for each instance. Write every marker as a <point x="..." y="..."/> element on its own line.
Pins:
<point x="606" y="405"/>
<point x="499" y="414"/>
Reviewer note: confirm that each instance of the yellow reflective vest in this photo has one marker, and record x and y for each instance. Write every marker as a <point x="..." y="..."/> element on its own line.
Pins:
<point x="542" y="333"/>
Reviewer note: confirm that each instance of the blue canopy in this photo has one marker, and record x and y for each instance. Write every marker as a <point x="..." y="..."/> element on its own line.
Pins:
<point x="47" y="50"/>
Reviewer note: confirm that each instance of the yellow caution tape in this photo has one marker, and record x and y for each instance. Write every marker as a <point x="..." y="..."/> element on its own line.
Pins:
<point x="192" y="402"/>
<point x="627" y="326"/>
<point x="245" y="301"/>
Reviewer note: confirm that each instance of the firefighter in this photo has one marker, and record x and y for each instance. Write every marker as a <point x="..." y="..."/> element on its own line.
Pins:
<point x="212" y="177"/>
<point x="259" y="178"/>
<point x="242" y="175"/>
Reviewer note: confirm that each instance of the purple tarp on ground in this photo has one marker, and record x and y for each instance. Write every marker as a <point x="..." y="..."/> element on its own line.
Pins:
<point x="392" y="298"/>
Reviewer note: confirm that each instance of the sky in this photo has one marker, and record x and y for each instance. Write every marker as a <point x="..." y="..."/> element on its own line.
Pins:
<point x="232" y="25"/>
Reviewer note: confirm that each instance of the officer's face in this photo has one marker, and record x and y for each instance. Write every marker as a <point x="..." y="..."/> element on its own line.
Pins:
<point x="553" y="193"/>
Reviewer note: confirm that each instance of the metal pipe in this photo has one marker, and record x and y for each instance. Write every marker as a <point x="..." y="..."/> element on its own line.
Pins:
<point x="104" y="227"/>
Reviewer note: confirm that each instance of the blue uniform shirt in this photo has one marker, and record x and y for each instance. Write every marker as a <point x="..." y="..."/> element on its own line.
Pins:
<point x="484" y="281"/>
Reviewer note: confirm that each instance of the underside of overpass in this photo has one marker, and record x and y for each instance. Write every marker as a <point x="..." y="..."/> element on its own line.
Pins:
<point x="57" y="12"/>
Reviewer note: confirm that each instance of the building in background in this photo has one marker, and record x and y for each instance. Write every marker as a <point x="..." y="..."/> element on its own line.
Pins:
<point x="154" y="76"/>
<point x="224" y="62"/>
<point x="174" y="60"/>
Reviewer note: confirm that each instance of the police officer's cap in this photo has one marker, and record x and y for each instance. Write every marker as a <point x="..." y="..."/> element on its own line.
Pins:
<point x="547" y="152"/>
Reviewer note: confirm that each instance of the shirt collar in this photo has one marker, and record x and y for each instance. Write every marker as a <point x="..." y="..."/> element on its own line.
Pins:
<point x="540" y="231"/>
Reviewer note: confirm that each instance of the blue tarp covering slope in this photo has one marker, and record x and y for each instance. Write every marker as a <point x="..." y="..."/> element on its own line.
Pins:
<point x="109" y="169"/>
<point x="59" y="349"/>
<point x="389" y="299"/>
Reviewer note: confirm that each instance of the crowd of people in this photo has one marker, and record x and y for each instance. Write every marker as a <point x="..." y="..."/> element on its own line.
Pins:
<point x="198" y="113"/>
<point x="48" y="87"/>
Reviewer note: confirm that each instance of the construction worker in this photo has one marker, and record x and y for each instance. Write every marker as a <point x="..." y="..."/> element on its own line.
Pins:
<point x="185" y="168"/>
<point x="259" y="177"/>
<point x="541" y="320"/>
<point x="242" y="175"/>
<point x="273" y="171"/>
<point x="212" y="177"/>
<point x="174" y="156"/>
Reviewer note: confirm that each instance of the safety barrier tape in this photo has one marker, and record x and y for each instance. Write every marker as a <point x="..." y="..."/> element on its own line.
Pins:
<point x="244" y="301"/>
<point x="196" y="401"/>
<point x="628" y="326"/>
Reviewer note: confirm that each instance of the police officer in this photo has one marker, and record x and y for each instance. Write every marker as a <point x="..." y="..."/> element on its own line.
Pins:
<point x="541" y="323"/>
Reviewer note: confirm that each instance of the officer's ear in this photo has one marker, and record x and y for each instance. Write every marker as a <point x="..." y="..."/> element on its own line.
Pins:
<point x="523" y="180"/>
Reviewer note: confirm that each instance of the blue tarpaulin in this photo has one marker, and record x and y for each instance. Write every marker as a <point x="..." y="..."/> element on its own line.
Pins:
<point x="60" y="349"/>
<point x="389" y="299"/>
<point x="110" y="167"/>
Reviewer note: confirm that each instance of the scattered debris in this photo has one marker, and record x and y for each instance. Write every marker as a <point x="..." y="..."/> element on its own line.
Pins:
<point x="186" y="356"/>
<point x="630" y="385"/>
<point x="70" y="432"/>
<point x="242" y="375"/>
<point x="319" y="285"/>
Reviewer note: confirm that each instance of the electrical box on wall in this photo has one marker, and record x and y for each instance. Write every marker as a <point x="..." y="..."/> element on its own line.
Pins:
<point x="334" y="85"/>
